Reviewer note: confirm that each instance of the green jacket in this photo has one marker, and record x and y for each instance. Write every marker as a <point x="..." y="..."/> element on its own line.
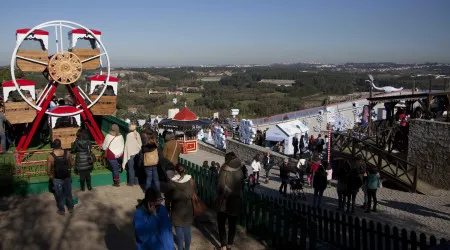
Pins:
<point x="373" y="181"/>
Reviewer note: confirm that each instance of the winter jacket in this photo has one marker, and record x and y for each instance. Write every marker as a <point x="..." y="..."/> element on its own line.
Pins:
<point x="354" y="182"/>
<point x="285" y="170"/>
<point x="171" y="151"/>
<point x="82" y="149"/>
<point x="256" y="166"/>
<point x="373" y="181"/>
<point x="153" y="231"/>
<point x="267" y="163"/>
<point x="180" y="196"/>
<point x="320" y="181"/>
<point x="230" y="185"/>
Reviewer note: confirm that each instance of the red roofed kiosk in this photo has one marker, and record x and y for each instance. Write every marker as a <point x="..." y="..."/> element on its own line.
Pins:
<point x="188" y="123"/>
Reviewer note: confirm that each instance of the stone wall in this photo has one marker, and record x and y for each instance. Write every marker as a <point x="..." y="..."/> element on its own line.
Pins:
<point x="429" y="150"/>
<point x="246" y="152"/>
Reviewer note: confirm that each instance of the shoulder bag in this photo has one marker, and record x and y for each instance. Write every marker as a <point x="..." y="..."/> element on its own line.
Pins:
<point x="108" y="153"/>
<point x="198" y="205"/>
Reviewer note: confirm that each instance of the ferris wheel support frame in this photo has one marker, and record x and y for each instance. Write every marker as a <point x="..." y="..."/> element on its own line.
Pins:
<point x="44" y="99"/>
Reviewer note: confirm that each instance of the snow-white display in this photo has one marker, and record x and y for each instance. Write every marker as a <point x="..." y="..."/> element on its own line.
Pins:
<point x="305" y="122"/>
<point x="317" y="128"/>
<point x="319" y="119"/>
<point x="341" y="123"/>
<point x="219" y="138"/>
<point x="200" y="135"/>
<point x="247" y="132"/>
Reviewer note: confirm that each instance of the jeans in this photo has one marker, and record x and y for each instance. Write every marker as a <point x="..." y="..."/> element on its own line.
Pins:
<point x="63" y="192"/>
<point x="183" y="233"/>
<point x="152" y="175"/>
<point x="115" y="169"/>
<point x="256" y="173"/>
<point x="372" y="195"/>
<point x="132" y="180"/>
<point x="318" y="192"/>
<point x="85" y="176"/>
<point x="3" y="138"/>
<point x="284" y="183"/>
<point x="351" y="195"/>
<point x="221" y="218"/>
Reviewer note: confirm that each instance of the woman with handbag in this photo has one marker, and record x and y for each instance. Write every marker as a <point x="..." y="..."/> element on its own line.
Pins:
<point x="181" y="206"/>
<point x="133" y="145"/>
<point x="149" y="158"/>
<point x="229" y="198"/>
<point x="113" y="150"/>
<point x="83" y="159"/>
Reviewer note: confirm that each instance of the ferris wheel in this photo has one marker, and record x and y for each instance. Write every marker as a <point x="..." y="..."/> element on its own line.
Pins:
<point x="61" y="63"/>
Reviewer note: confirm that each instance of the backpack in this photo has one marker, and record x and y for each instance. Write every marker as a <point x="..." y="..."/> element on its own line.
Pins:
<point x="151" y="158"/>
<point x="61" y="166"/>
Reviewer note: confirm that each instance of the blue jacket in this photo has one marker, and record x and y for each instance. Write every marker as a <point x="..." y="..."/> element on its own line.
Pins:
<point x="373" y="181"/>
<point x="153" y="232"/>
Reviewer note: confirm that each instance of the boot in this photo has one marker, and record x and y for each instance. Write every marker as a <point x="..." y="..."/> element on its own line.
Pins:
<point x="116" y="183"/>
<point x="89" y="186"/>
<point x="82" y="185"/>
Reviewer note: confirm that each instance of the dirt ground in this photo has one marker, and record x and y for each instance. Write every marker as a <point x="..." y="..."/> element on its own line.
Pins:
<point x="102" y="220"/>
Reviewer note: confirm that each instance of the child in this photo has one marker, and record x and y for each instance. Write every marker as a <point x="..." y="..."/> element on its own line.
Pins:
<point x="252" y="182"/>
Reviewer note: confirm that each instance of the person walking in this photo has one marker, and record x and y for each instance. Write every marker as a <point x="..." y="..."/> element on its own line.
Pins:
<point x="256" y="167"/>
<point x="83" y="163"/>
<point x="171" y="149"/>
<point x="353" y="186"/>
<point x="319" y="184"/>
<point x="285" y="169"/>
<point x="341" y="187"/>
<point x="149" y="160"/>
<point x="152" y="226"/>
<point x="267" y="164"/>
<point x="3" y="137"/>
<point x="133" y="145"/>
<point x="229" y="198"/>
<point x="113" y="147"/>
<point x="373" y="183"/>
<point x="295" y="145"/>
<point x="181" y="207"/>
<point x="59" y="164"/>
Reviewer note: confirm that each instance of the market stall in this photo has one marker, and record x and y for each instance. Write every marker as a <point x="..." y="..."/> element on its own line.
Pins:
<point x="186" y="125"/>
<point x="284" y="133"/>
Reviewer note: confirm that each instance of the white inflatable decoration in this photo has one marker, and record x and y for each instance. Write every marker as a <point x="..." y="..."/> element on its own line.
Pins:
<point x="246" y="131"/>
<point x="200" y="135"/>
<point x="219" y="138"/>
<point x="341" y="123"/>
<point x="387" y="89"/>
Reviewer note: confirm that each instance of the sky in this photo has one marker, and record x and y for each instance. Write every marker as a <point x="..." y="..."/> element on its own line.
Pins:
<point x="164" y="33"/>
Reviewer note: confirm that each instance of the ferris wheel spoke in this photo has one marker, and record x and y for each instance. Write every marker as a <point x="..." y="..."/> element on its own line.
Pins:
<point x="61" y="37"/>
<point x="31" y="60"/>
<point x="84" y="94"/>
<point x="92" y="58"/>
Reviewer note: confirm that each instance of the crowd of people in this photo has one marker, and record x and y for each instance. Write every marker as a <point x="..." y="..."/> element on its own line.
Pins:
<point x="170" y="202"/>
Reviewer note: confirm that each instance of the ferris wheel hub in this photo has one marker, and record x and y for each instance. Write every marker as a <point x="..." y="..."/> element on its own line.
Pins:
<point x="65" y="67"/>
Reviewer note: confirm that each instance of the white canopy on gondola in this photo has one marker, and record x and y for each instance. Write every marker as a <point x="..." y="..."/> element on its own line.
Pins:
<point x="100" y="80"/>
<point x="24" y="85"/>
<point x="76" y="34"/>
<point x="41" y="35"/>
<point x="65" y="110"/>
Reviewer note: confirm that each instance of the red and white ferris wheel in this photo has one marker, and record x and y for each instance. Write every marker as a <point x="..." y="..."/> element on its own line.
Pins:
<point x="61" y="63"/>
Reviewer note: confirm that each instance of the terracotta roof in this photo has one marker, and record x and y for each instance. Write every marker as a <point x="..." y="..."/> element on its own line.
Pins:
<point x="185" y="115"/>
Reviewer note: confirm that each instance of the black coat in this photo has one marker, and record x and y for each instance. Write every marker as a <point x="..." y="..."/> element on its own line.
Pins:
<point x="320" y="181"/>
<point x="82" y="150"/>
<point x="285" y="170"/>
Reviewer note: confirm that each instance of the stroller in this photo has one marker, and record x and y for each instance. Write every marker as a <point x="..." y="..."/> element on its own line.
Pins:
<point x="296" y="185"/>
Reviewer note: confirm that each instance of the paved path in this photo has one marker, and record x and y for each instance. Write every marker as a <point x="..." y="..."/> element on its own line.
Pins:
<point x="421" y="213"/>
<point x="102" y="220"/>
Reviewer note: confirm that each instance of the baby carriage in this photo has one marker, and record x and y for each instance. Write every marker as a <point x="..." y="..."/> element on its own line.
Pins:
<point x="296" y="192"/>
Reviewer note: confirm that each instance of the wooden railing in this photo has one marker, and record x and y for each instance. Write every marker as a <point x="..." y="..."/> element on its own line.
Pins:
<point x="390" y="166"/>
<point x="290" y="224"/>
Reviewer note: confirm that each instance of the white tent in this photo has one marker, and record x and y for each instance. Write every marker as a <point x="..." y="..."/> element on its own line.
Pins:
<point x="286" y="131"/>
